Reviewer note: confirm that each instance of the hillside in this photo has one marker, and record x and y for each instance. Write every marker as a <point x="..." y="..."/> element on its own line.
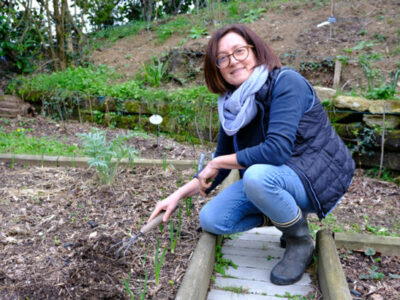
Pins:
<point x="370" y="28"/>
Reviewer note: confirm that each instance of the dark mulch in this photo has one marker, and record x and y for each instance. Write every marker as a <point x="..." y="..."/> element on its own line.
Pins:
<point x="371" y="276"/>
<point x="57" y="224"/>
<point x="57" y="227"/>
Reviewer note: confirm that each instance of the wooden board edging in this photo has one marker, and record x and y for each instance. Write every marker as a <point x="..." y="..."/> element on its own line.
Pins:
<point x="82" y="162"/>
<point x="197" y="277"/>
<point x="331" y="278"/>
<point x="387" y="245"/>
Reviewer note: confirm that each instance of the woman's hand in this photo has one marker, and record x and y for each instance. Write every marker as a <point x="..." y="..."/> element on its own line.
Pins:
<point x="206" y="176"/>
<point x="168" y="205"/>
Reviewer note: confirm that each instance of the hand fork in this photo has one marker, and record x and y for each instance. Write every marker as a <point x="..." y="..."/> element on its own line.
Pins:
<point x="127" y="243"/>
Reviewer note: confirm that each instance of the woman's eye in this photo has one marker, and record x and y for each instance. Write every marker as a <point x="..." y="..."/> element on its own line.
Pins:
<point x="223" y="58"/>
<point x="239" y="51"/>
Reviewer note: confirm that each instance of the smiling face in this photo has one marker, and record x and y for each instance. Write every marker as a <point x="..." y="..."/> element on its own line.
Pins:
<point x="238" y="71"/>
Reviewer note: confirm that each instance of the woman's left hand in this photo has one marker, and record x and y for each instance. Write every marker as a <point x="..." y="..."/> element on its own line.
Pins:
<point x="206" y="176"/>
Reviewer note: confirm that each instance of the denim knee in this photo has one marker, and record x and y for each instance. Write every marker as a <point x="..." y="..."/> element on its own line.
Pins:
<point x="255" y="181"/>
<point x="209" y="221"/>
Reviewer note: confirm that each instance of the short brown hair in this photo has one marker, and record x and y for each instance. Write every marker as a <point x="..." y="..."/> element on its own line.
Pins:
<point x="263" y="53"/>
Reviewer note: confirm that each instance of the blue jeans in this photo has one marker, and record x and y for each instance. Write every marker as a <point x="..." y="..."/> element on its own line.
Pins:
<point x="275" y="191"/>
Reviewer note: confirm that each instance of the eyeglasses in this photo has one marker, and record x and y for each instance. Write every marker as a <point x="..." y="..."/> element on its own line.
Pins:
<point x="240" y="54"/>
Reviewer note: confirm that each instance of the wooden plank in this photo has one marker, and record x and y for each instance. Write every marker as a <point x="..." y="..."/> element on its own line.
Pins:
<point x="262" y="287"/>
<point x="252" y="244"/>
<point x="250" y="236"/>
<point x="337" y="73"/>
<point x="330" y="273"/>
<point x="246" y="273"/>
<point x="271" y="230"/>
<point x="226" y="295"/>
<point x="387" y="245"/>
<point x="271" y="251"/>
<point x="253" y="262"/>
<point x="197" y="277"/>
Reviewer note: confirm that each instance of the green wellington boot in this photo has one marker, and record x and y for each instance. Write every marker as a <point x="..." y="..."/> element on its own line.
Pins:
<point x="298" y="253"/>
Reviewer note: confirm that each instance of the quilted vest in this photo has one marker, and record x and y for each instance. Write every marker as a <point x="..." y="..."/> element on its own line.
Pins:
<point x="320" y="158"/>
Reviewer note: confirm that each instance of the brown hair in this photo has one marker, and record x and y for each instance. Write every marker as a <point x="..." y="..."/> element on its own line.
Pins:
<point x="263" y="53"/>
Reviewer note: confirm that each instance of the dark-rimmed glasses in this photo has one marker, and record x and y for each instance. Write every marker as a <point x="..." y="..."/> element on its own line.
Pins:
<point x="240" y="54"/>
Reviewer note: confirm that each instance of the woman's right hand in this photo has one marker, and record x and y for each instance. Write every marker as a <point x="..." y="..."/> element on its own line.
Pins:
<point x="168" y="205"/>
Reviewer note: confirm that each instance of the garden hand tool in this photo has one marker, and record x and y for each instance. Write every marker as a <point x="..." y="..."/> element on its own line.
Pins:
<point x="127" y="243"/>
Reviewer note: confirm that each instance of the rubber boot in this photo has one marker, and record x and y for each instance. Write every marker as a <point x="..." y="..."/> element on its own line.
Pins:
<point x="298" y="253"/>
<point x="266" y="222"/>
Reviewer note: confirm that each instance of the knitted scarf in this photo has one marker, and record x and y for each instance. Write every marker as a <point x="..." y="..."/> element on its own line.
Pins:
<point x="236" y="109"/>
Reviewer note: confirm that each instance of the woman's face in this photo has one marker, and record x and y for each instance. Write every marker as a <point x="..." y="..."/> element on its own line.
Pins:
<point x="236" y="72"/>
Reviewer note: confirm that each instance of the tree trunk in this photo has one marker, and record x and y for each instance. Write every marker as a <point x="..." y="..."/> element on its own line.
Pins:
<point x="59" y="18"/>
<point x="50" y="37"/>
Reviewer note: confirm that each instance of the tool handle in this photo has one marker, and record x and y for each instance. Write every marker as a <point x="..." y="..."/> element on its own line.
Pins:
<point x="154" y="223"/>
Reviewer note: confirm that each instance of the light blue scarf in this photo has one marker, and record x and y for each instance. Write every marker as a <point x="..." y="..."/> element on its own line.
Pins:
<point x="237" y="109"/>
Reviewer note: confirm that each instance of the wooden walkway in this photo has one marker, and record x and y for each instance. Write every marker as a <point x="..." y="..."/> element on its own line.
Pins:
<point x="255" y="252"/>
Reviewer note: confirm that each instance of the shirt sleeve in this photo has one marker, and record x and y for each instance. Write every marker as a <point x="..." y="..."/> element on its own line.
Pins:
<point x="291" y="98"/>
<point x="224" y="147"/>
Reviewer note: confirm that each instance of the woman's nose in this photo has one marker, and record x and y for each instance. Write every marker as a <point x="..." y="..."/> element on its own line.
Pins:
<point x="233" y="60"/>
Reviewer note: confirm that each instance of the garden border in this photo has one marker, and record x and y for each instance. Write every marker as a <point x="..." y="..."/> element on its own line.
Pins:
<point x="197" y="277"/>
<point x="64" y="161"/>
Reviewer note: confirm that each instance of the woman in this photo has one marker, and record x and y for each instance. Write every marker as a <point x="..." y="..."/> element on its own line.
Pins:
<point x="275" y="131"/>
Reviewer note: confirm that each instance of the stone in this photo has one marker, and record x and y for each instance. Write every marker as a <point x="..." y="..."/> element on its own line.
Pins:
<point x="325" y="93"/>
<point x="387" y="106"/>
<point x="377" y="120"/>
<point x="353" y="103"/>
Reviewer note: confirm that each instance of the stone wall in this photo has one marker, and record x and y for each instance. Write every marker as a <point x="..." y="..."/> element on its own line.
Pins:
<point x="361" y="122"/>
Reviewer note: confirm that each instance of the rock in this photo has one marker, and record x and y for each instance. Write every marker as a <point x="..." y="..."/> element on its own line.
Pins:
<point x="353" y="103"/>
<point x="377" y="120"/>
<point x="387" y="106"/>
<point x="376" y="297"/>
<point x="17" y="230"/>
<point x="324" y="93"/>
<point x="92" y="235"/>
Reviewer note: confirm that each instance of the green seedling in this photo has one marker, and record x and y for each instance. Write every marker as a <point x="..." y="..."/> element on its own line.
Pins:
<point x="158" y="262"/>
<point x="142" y="293"/>
<point x="188" y="205"/>
<point x="373" y="274"/>
<point x="174" y="237"/>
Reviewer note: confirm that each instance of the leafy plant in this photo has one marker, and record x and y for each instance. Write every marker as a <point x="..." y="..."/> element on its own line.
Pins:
<point x="155" y="72"/>
<point x="18" y="142"/>
<point x="252" y="15"/>
<point x="373" y="274"/>
<point x="158" y="262"/>
<point x="106" y="156"/>
<point x="197" y="32"/>
<point x="221" y="264"/>
<point x="375" y="91"/>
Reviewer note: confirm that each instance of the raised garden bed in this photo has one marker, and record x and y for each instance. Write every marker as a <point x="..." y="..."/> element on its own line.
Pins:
<point x="57" y="226"/>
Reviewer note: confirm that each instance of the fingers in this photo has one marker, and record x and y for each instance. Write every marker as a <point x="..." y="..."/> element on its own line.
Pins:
<point x="154" y="214"/>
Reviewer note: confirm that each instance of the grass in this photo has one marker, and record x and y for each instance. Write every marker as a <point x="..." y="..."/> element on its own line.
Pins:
<point x="19" y="142"/>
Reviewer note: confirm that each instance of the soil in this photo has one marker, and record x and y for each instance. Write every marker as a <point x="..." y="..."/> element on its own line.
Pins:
<point x="57" y="225"/>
